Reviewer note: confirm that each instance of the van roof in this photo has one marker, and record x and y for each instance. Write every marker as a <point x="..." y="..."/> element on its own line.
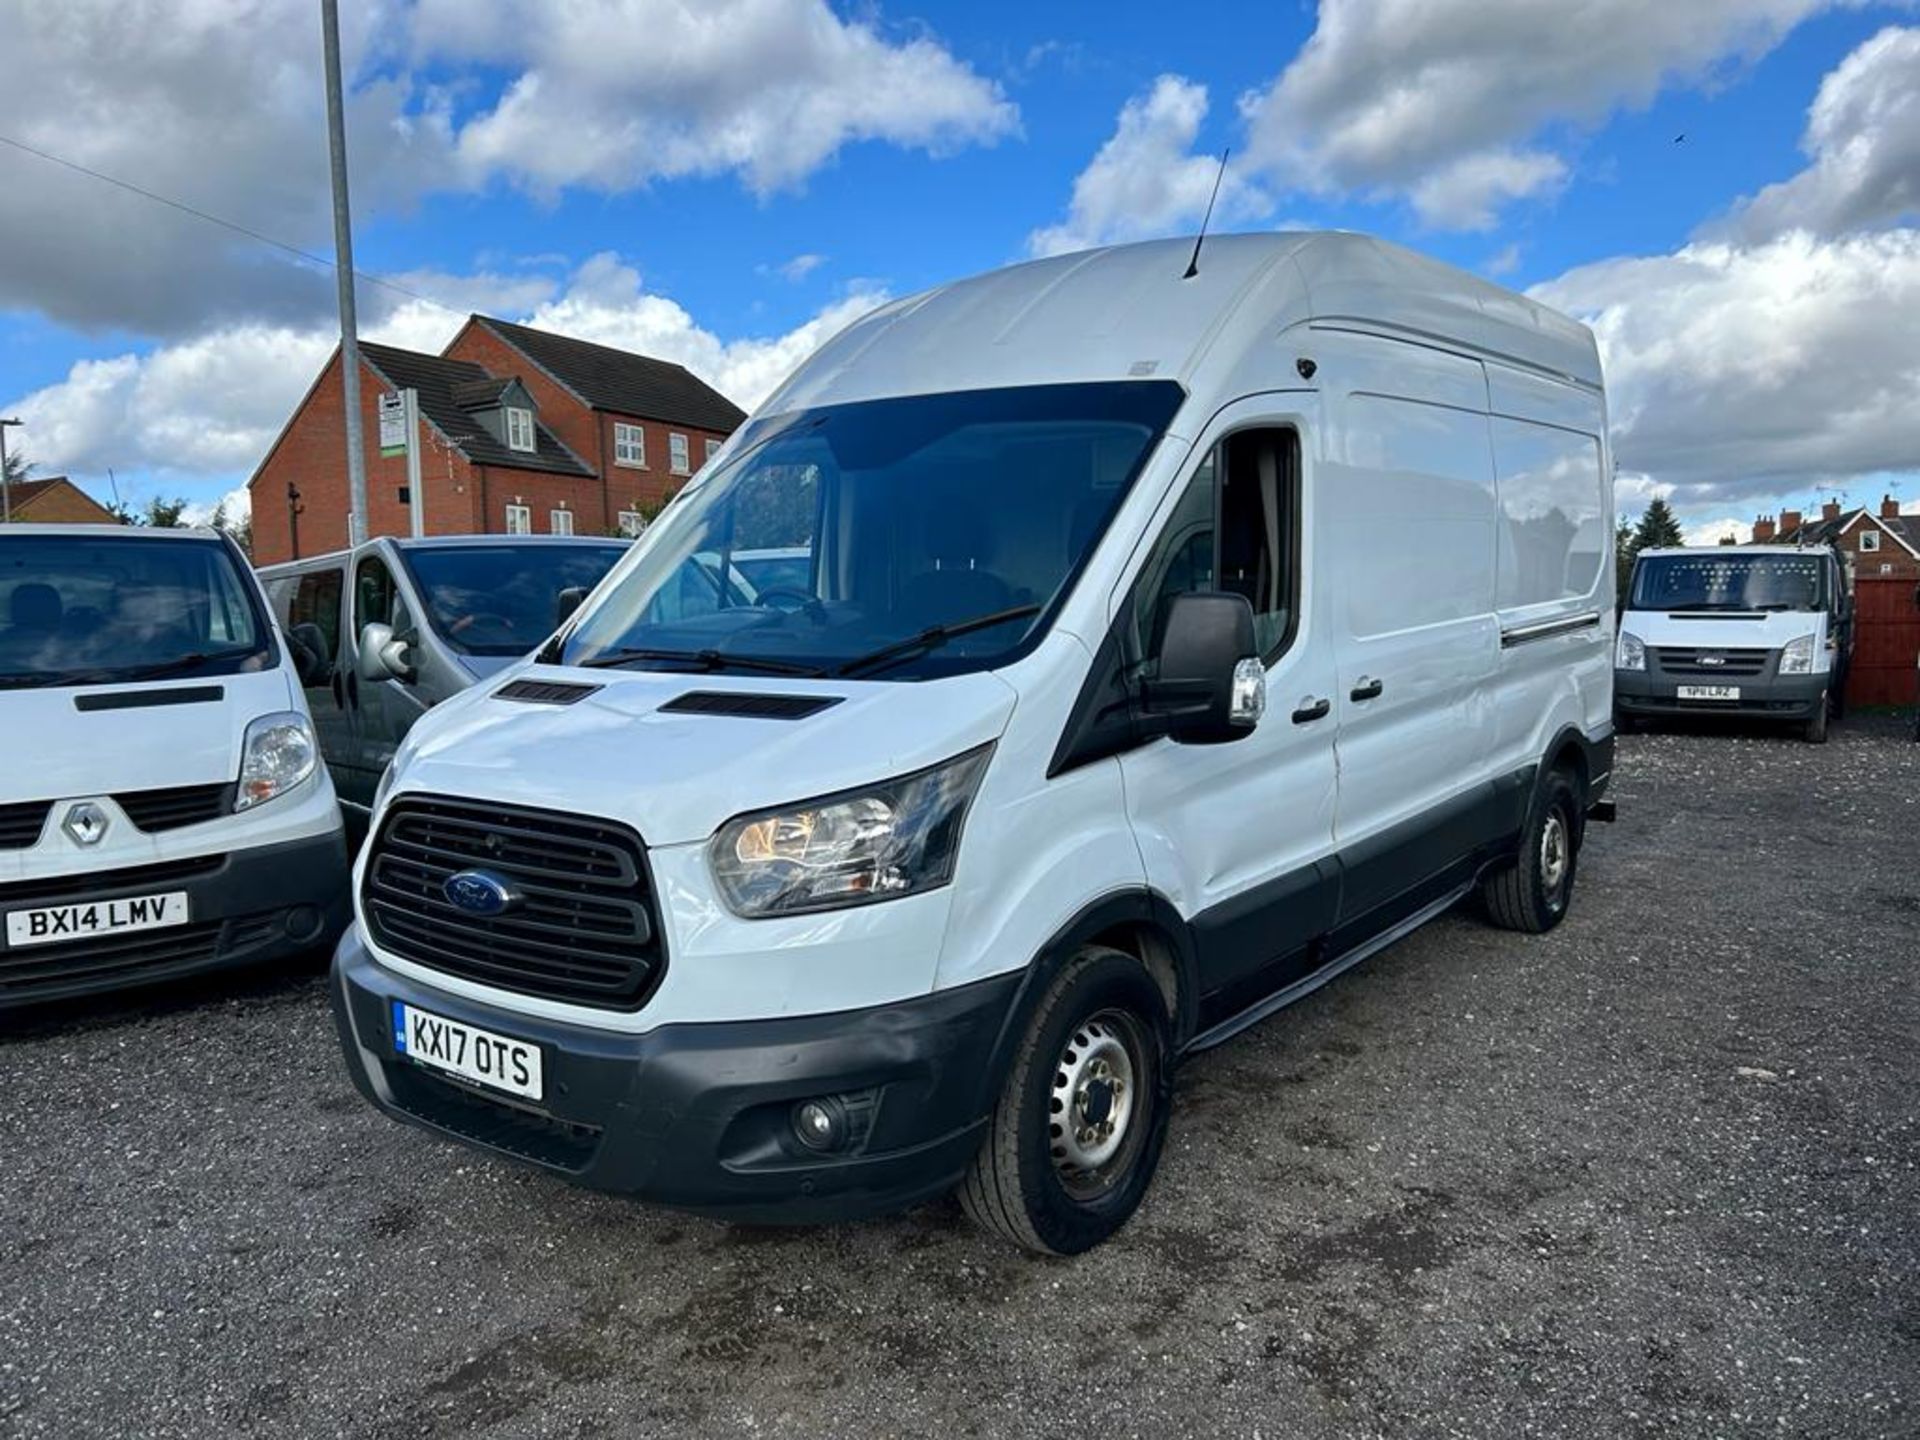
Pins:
<point x="116" y="532"/>
<point x="1127" y="312"/>
<point x="1656" y="551"/>
<point x="443" y="542"/>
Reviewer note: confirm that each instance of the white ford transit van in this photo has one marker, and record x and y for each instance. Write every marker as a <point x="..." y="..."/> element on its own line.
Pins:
<point x="1167" y="645"/>
<point x="1759" y="630"/>
<point x="162" y="809"/>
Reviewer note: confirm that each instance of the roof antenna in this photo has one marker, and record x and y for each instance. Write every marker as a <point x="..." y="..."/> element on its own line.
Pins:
<point x="1193" y="265"/>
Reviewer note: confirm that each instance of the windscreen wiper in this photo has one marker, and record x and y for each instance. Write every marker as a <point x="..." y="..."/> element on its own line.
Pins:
<point x="931" y="638"/>
<point x="162" y="668"/>
<point x="703" y="660"/>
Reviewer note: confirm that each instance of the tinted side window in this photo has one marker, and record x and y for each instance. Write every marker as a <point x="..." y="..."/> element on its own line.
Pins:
<point x="316" y="601"/>
<point x="376" y="598"/>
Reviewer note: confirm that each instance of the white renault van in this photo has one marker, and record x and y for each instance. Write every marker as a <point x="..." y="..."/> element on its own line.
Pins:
<point x="162" y="810"/>
<point x="1764" y="631"/>
<point x="1168" y="643"/>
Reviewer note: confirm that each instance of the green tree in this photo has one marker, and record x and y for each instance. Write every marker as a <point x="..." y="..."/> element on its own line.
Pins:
<point x="1622" y="558"/>
<point x="163" y="513"/>
<point x="239" y="527"/>
<point x="18" y="467"/>
<point x="1657" y="528"/>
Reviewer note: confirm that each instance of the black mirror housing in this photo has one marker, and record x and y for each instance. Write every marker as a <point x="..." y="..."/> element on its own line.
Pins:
<point x="1205" y="691"/>
<point x="566" y="602"/>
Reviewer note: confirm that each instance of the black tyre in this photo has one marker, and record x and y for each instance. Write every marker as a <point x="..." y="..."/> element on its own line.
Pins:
<point x="1077" y="1132"/>
<point x="1816" y="731"/>
<point x="1531" y="893"/>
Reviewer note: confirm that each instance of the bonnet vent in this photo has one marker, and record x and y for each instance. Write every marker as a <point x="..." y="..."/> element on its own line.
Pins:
<point x="756" y="707"/>
<point x="544" y="692"/>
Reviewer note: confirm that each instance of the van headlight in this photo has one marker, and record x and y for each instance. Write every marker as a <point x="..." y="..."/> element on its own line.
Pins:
<point x="278" y="753"/>
<point x="1796" y="657"/>
<point x="1632" y="654"/>
<point x="877" y="843"/>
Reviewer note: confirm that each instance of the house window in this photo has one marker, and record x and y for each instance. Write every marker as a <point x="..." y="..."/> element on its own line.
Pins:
<point x="630" y="446"/>
<point x="632" y="522"/>
<point x="713" y="447"/>
<point x="519" y="429"/>
<point x="519" y="520"/>
<point x="1869" y="541"/>
<point x="677" y="452"/>
<point x="559" y="522"/>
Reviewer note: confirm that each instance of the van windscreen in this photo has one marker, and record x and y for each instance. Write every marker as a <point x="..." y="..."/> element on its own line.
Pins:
<point x="1720" y="580"/>
<point x="88" y="609"/>
<point x="502" y="598"/>
<point x="908" y="537"/>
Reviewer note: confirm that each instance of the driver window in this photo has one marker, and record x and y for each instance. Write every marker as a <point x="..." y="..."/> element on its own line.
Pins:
<point x="377" y="599"/>
<point x="1235" y="529"/>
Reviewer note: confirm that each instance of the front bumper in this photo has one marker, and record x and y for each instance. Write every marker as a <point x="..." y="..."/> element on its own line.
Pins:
<point x="1767" y="696"/>
<point x="698" y="1116"/>
<point x="247" y="907"/>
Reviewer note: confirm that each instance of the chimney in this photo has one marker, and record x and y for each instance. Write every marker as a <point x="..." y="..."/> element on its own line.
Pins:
<point x="1830" y="511"/>
<point x="1889" y="508"/>
<point x="1763" y="531"/>
<point x="1789" y="521"/>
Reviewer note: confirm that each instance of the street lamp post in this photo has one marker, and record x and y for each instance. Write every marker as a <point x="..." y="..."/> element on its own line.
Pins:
<point x="343" y="274"/>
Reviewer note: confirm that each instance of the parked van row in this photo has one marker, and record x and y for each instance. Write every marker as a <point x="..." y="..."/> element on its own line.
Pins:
<point x="1159" y="634"/>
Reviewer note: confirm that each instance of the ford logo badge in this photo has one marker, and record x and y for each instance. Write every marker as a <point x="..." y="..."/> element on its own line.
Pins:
<point x="480" y="892"/>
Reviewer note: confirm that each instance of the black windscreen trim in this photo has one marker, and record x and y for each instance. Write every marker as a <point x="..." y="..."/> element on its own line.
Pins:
<point x="145" y="699"/>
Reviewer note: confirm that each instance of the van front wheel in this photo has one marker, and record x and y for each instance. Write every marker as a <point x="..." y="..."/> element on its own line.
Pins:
<point x="1077" y="1132"/>
<point x="1531" y="892"/>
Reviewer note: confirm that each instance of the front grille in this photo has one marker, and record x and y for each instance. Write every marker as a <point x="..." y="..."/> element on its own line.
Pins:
<point x="157" y="810"/>
<point x="21" y="824"/>
<point x="583" y="928"/>
<point x="106" y="884"/>
<point x="1712" y="664"/>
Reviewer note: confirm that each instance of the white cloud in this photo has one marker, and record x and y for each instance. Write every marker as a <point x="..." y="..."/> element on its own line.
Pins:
<point x="1146" y="180"/>
<point x="1467" y="194"/>
<point x="1741" y="371"/>
<point x="1712" y="532"/>
<point x="202" y="412"/>
<point x="617" y="93"/>
<point x="218" y="104"/>
<point x="798" y="268"/>
<point x="1863" y="148"/>
<point x="1390" y="96"/>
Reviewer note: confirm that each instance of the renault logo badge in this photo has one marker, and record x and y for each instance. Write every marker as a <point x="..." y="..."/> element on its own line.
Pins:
<point x="86" y="823"/>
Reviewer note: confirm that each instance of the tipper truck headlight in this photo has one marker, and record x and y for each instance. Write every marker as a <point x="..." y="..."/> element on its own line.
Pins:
<point x="1632" y="654"/>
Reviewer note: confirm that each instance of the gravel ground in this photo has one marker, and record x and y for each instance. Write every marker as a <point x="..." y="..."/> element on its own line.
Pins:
<point x="1655" y="1174"/>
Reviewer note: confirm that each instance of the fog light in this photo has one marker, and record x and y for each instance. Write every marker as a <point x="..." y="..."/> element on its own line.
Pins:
<point x="820" y="1124"/>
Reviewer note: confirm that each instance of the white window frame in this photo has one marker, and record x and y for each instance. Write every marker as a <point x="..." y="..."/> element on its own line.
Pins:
<point x="520" y="432"/>
<point x="634" y="437"/>
<point x="519" y="519"/>
<point x="678" y="453"/>
<point x="633" y="524"/>
<point x="1869" y="542"/>
<point x="560" y="522"/>
<point x="713" y="447"/>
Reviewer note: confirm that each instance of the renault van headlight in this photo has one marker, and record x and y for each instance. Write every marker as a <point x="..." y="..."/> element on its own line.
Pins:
<point x="1633" y="652"/>
<point x="878" y="843"/>
<point x="1796" y="658"/>
<point x="278" y="753"/>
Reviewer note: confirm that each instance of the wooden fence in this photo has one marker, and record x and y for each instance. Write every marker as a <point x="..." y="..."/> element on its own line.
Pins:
<point x="1886" y="643"/>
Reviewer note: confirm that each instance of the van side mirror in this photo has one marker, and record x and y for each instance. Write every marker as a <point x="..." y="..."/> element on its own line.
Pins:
<point x="308" y="644"/>
<point x="381" y="655"/>
<point x="1210" y="686"/>
<point x="566" y="602"/>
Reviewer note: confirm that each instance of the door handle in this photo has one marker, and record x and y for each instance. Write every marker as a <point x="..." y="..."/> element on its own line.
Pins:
<point x="1311" y="710"/>
<point x="1367" y="689"/>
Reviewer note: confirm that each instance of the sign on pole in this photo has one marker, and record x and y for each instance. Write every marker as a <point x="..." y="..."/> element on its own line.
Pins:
<point x="393" y="425"/>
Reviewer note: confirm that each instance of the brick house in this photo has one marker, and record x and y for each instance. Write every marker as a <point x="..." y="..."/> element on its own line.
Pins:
<point x="55" y="500"/>
<point x="522" y="431"/>
<point x="1874" y="544"/>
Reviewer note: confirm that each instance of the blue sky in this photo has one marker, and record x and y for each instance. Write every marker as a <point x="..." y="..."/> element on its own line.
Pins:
<point x="724" y="184"/>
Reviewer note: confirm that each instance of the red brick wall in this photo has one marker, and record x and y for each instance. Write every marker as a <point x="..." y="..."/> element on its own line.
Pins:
<point x="565" y="416"/>
<point x="499" y="488"/>
<point x="1867" y="563"/>
<point x="63" y="504"/>
<point x="312" y="454"/>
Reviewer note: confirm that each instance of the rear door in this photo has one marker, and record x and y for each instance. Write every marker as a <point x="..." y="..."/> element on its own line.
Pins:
<point x="1239" y="835"/>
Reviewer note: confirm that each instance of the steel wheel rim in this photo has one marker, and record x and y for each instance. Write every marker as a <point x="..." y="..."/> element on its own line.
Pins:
<point x="1097" y="1105"/>
<point x="1555" y="856"/>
